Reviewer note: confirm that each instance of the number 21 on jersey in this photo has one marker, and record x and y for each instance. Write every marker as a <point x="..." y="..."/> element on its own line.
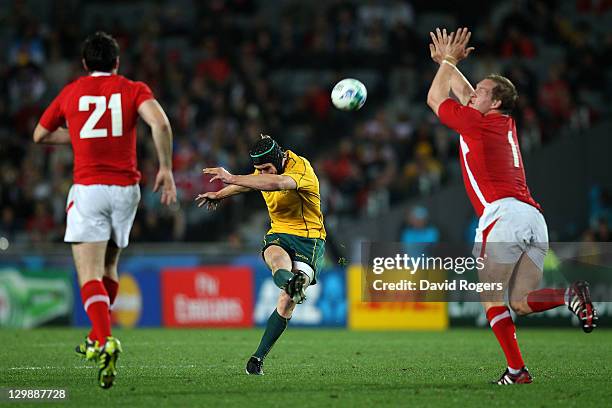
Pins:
<point x="114" y="104"/>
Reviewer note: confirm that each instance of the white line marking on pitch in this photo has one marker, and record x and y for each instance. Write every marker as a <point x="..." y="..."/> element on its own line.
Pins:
<point x="92" y="367"/>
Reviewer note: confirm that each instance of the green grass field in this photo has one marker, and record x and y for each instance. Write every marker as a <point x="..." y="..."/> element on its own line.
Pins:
<point x="184" y="368"/>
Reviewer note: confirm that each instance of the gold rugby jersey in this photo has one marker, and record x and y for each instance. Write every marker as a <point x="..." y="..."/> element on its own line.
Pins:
<point x="297" y="212"/>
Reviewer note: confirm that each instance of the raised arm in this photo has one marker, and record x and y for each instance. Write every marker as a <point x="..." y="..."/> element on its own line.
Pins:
<point x="460" y="86"/>
<point x="266" y="182"/>
<point x="440" y="87"/>
<point x="153" y="114"/>
<point x="231" y="190"/>
<point x="212" y="199"/>
<point x="241" y="184"/>
<point x="261" y="182"/>
<point x="439" y="49"/>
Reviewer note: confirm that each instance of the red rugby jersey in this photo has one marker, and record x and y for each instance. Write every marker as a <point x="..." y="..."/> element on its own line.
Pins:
<point x="101" y="111"/>
<point x="490" y="156"/>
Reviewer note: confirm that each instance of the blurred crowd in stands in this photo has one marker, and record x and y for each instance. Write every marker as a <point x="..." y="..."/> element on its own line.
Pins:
<point x="600" y="216"/>
<point x="227" y="70"/>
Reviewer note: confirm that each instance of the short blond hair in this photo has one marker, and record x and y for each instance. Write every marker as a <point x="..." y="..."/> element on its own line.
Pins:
<point x="504" y="91"/>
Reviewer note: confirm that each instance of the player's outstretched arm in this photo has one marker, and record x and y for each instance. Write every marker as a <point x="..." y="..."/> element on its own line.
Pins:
<point x="153" y="114"/>
<point x="58" y="136"/>
<point x="261" y="182"/>
<point x="453" y="47"/>
<point x="460" y="86"/>
<point x="212" y="199"/>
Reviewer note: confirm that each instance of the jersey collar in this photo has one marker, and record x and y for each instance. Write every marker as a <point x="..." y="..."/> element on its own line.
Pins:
<point x="98" y="73"/>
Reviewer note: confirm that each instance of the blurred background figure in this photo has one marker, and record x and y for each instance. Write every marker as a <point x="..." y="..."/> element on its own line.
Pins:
<point x="418" y="232"/>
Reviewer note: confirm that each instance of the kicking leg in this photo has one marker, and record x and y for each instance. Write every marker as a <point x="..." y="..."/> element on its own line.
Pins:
<point x="523" y="296"/>
<point x="526" y="299"/>
<point x="292" y="282"/>
<point x="303" y="276"/>
<point x="279" y="262"/>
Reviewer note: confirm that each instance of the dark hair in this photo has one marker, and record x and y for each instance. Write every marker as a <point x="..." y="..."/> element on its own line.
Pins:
<point x="504" y="91"/>
<point x="100" y="52"/>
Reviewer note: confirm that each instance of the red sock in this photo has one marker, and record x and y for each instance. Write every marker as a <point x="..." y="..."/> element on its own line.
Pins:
<point x="96" y="303"/>
<point x="112" y="287"/>
<point x="544" y="299"/>
<point x="502" y="325"/>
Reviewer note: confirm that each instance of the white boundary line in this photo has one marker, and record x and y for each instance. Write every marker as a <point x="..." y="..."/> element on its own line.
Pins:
<point x="93" y="367"/>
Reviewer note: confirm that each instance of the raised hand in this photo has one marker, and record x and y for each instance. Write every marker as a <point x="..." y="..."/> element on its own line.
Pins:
<point x="459" y="41"/>
<point x="435" y="49"/>
<point x="453" y="45"/>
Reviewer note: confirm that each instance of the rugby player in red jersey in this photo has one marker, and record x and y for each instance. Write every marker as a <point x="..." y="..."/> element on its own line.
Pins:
<point x="512" y="233"/>
<point x="97" y="114"/>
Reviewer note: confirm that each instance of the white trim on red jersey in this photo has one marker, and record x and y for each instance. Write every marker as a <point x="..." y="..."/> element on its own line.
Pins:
<point x="464" y="151"/>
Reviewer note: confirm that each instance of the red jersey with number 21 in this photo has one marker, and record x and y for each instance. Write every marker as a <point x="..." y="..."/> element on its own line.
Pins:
<point x="490" y="156"/>
<point x="101" y="111"/>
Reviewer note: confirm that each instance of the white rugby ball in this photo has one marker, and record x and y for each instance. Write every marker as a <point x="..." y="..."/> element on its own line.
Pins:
<point x="349" y="94"/>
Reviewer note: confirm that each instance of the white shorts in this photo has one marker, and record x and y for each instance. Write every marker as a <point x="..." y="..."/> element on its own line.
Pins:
<point x="507" y="229"/>
<point x="100" y="212"/>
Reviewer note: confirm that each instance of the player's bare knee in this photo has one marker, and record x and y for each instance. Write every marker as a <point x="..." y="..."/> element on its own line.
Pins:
<point x="276" y="263"/>
<point x="277" y="258"/>
<point x="520" y="307"/>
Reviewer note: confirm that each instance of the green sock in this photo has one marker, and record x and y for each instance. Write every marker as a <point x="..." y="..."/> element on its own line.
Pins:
<point x="275" y="327"/>
<point x="281" y="277"/>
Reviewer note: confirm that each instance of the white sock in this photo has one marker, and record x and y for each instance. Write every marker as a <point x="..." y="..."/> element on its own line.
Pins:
<point x="513" y="370"/>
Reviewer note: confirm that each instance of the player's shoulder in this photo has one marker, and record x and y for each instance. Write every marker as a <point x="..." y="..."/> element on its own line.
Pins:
<point x="129" y="83"/>
<point x="451" y="104"/>
<point x="461" y="118"/>
<point x="297" y="162"/>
